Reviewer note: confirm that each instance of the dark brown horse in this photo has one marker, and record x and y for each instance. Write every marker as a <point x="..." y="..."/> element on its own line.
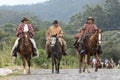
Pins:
<point x="91" y="45"/>
<point x="56" y="53"/>
<point x="25" y="51"/>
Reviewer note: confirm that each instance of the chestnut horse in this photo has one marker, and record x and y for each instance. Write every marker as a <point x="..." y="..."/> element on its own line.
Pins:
<point x="91" y="44"/>
<point x="26" y="51"/>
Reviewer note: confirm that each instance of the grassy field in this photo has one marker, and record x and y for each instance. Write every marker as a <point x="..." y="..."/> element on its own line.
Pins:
<point x="40" y="62"/>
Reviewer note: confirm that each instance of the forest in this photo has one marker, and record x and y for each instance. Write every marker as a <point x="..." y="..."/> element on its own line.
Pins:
<point x="106" y="16"/>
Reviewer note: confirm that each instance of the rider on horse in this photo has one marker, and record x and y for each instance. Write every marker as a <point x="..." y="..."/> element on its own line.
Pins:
<point x="24" y="27"/>
<point x="88" y="28"/>
<point x="55" y="29"/>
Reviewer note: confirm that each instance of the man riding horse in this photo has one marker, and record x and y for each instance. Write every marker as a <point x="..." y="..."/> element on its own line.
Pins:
<point x="55" y="29"/>
<point x="88" y="28"/>
<point x="24" y="27"/>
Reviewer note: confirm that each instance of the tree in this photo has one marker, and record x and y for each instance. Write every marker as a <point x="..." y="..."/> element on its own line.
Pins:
<point x="113" y="11"/>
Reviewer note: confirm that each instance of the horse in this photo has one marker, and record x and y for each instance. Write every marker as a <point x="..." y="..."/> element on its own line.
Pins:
<point x="56" y="53"/>
<point x="25" y="50"/>
<point x="109" y="65"/>
<point x="91" y="45"/>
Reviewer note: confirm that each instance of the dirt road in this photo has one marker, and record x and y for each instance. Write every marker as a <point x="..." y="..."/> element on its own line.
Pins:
<point x="69" y="74"/>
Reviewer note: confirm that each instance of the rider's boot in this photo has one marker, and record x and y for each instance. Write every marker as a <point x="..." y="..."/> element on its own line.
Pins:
<point x="14" y="52"/>
<point x="35" y="53"/>
<point x="82" y="50"/>
<point x="48" y="55"/>
<point x="64" y="50"/>
<point x="48" y="52"/>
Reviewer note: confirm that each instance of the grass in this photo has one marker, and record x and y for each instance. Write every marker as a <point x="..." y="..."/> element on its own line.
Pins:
<point x="40" y="62"/>
<point x="5" y="58"/>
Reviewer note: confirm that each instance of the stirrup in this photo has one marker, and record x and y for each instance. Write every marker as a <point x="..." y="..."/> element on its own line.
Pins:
<point x="82" y="51"/>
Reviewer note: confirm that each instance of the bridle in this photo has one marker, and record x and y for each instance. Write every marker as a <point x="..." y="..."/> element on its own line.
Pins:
<point x="97" y="41"/>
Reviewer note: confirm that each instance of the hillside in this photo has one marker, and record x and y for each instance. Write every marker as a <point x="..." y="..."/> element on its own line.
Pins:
<point x="54" y="9"/>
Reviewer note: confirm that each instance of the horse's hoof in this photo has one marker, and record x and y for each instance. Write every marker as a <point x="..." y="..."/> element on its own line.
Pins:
<point x="96" y="70"/>
<point x="29" y="72"/>
<point x="89" y="72"/>
<point x="52" y="72"/>
<point x="83" y="70"/>
<point x="80" y="71"/>
<point x="57" y="73"/>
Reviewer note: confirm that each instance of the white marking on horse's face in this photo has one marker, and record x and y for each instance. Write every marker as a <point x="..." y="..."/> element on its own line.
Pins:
<point x="100" y="38"/>
<point x="53" y="41"/>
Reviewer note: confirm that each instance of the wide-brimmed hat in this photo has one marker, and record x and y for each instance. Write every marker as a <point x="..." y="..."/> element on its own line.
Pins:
<point x="90" y="18"/>
<point x="24" y="19"/>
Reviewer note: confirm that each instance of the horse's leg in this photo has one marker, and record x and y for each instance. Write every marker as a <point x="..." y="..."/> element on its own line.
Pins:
<point x="97" y="63"/>
<point x="29" y="64"/>
<point x="88" y="56"/>
<point x="79" y="61"/>
<point x="24" y="63"/>
<point x="53" y="62"/>
<point x="24" y="66"/>
<point x="59" y="63"/>
<point x="56" y="65"/>
<point x="84" y="62"/>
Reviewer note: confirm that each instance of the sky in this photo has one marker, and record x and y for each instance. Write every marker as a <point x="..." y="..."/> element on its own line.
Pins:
<point x="19" y="2"/>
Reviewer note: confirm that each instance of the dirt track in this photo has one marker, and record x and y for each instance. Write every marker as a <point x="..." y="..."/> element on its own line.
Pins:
<point x="69" y="74"/>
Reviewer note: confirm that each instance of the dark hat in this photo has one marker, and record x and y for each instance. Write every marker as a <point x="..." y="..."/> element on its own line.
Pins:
<point x="55" y="22"/>
<point x="24" y="19"/>
<point x="90" y="18"/>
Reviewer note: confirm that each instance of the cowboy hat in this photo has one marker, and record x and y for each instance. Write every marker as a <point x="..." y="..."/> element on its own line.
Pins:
<point x="90" y="18"/>
<point x="24" y="19"/>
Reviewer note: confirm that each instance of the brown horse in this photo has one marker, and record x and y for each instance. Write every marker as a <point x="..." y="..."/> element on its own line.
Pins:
<point x="109" y="65"/>
<point x="91" y="45"/>
<point x="25" y="51"/>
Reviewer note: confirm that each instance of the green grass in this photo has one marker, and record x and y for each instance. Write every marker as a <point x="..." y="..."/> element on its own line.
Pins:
<point x="5" y="58"/>
<point x="40" y="62"/>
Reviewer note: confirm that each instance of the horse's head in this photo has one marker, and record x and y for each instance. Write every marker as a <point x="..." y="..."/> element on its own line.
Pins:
<point x="53" y="40"/>
<point x="25" y="35"/>
<point x="97" y="36"/>
<point x="25" y="38"/>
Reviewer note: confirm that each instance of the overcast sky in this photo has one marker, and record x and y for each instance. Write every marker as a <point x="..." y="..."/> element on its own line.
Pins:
<point x="19" y="2"/>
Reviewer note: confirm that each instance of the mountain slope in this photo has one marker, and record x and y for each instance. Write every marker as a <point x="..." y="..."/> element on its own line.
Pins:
<point x="55" y="9"/>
